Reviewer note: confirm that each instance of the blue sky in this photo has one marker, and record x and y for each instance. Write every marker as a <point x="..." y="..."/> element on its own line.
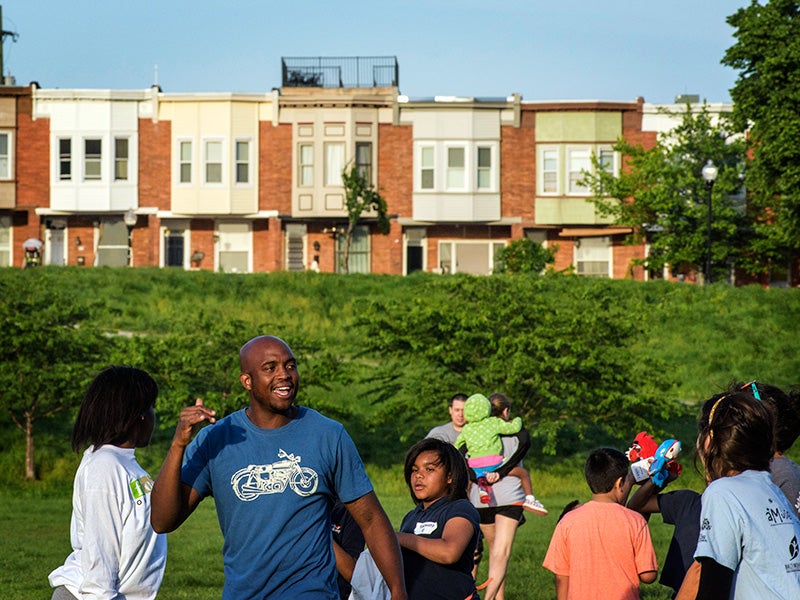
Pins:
<point x="563" y="50"/>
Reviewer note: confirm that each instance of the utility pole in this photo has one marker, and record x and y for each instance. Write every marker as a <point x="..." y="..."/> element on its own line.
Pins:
<point x="3" y="34"/>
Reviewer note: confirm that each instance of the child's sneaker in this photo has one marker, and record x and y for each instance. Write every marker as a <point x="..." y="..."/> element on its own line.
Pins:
<point x="533" y="505"/>
<point x="483" y="492"/>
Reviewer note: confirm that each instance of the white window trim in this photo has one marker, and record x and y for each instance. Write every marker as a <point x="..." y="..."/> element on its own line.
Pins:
<point x="333" y="180"/>
<point x="610" y="257"/>
<point x="114" y="159"/>
<point x="179" y="161"/>
<point x="100" y="160"/>
<point x="490" y="243"/>
<point x="589" y="150"/>
<point x="250" y="163"/>
<point x="10" y="175"/>
<point x="420" y="146"/>
<point x="301" y="164"/>
<point x="493" y="167"/>
<point x="466" y="147"/>
<point x="223" y="176"/>
<point x="541" y="151"/>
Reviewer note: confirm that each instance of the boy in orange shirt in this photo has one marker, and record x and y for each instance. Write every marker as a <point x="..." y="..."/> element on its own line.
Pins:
<point x="602" y="549"/>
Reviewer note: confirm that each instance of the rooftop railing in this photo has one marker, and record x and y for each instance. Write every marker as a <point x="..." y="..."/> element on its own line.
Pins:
<point x="340" y="72"/>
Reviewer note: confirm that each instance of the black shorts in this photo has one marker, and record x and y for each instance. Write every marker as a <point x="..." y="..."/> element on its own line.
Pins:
<point x="488" y="513"/>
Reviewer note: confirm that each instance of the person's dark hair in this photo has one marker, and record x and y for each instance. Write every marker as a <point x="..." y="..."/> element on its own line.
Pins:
<point x="784" y="410"/>
<point x="459" y="396"/>
<point x="500" y="402"/>
<point x="112" y="409"/>
<point x="455" y="466"/>
<point x="603" y="467"/>
<point x="734" y="433"/>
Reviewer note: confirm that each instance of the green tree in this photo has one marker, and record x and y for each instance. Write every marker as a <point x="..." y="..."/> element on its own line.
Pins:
<point x="766" y="98"/>
<point x="50" y="351"/>
<point x="360" y="197"/>
<point x="523" y="257"/>
<point x="661" y="195"/>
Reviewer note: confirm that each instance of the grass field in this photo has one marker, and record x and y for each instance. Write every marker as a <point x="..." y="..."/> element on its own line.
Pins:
<point x="34" y="530"/>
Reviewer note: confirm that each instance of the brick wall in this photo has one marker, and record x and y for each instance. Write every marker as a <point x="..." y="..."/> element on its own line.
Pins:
<point x="275" y="168"/>
<point x="518" y="170"/>
<point x="32" y="163"/>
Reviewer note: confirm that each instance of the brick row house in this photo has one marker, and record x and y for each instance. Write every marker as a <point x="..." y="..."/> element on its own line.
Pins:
<point x="252" y="182"/>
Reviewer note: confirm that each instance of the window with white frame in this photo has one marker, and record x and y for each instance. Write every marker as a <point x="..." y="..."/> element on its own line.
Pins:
<point x="426" y="167"/>
<point x="364" y="160"/>
<point x="92" y="159"/>
<point x="606" y="157"/>
<point x="5" y="240"/>
<point x="242" y="161"/>
<point x="334" y="163"/>
<point x="65" y="159"/>
<point x="456" y="161"/>
<point x="473" y="257"/>
<point x="593" y="256"/>
<point x="359" y="258"/>
<point x="305" y="165"/>
<point x="185" y="161"/>
<point x="112" y="243"/>
<point x="484" y="168"/>
<point x="548" y="170"/>
<point x="579" y="160"/>
<point x="213" y="161"/>
<point x="120" y="159"/>
<point x="6" y="170"/>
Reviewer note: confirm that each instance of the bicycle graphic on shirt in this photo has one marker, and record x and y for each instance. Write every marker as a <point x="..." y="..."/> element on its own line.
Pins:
<point x="255" y="480"/>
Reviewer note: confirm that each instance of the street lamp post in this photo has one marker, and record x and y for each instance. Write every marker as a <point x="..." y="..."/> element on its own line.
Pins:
<point x="709" y="176"/>
<point x="130" y="220"/>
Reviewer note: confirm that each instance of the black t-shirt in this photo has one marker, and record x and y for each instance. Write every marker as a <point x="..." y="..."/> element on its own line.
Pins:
<point x="427" y="580"/>
<point x="348" y="535"/>
<point x="680" y="508"/>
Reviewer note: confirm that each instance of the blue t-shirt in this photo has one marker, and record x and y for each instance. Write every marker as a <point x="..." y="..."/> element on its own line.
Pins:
<point x="428" y="580"/>
<point x="274" y="489"/>
<point x="748" y="526"/>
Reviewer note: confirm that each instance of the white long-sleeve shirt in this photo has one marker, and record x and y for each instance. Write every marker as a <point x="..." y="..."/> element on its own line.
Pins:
<point x="116" y="554"/>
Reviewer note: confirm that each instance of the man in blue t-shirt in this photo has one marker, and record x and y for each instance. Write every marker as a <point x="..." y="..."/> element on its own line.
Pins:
<point x="274" y="470"/>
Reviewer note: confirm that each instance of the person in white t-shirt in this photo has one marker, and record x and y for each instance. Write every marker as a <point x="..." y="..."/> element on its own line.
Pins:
<point x="115" y="552"/>
<point x="748" y="544"/>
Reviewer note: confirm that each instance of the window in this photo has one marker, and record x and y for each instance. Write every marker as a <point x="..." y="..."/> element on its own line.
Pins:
<point x="234" y="247"/>
<point x="334" y="163"/>
<point x="579" y="161"/>
<point x="213" y="162"/>
<point x="305" y="165"/>
<point x="426" y="179"/>
<point x="242" y="161"/>
<point x="606" y="159"/>
<point x="359" y="251"/>
<point x="92" y="159"/>
<point x="112" y="243"/>
<point x="549" y="171"/>
<point x="5" y="156"/>
<point x="484" y="168"/>
<point x="593" y="256"/>
<point x="121" y="159"/>
<point x="364" y="160"/>
<point x="65" y="159"/>
<point x="5" y="241"/>
<point x="476" y="258"/>
<point x="455" y="168"/>
<point x="185" y="164"/>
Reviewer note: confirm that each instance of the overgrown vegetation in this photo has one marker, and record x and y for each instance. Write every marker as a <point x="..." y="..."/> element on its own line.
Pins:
<point x="583" y="360"/>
